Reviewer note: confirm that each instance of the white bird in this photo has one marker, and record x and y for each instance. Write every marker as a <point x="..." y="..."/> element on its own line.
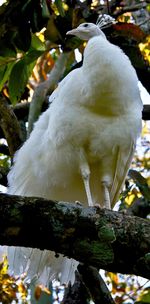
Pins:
<point x="82" y="146"/>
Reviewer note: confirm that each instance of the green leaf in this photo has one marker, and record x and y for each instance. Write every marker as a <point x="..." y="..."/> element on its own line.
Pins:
<point x="2" y="72"/>
<point x="60" y="8"/>
<point x="148" y="7"/>
<point x="35" y="26"/>
<point x="6" y="51"/>
<point x="45" y="10"/>
<point x="141" y="182"/>
<point x="25" y="6"/>
<point x="145" y="296"/>
<point x="18" y="79"/>
<point x="32" y="56"/>
<point x="5" y="71"/>
<point x="37" y="44"/>
<point x="20" y="74"/>
<point x="5" y="60"/>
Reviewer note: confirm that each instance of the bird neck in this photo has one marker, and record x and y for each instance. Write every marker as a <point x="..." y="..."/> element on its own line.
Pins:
<point x="95" y="50"/>
<point x="97" y="32"/>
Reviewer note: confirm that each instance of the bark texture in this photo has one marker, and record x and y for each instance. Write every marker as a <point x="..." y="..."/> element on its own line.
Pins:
<point x="98" y="237"/>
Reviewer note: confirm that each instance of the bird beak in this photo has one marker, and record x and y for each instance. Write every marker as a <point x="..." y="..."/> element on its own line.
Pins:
<point x="72" y="32"/>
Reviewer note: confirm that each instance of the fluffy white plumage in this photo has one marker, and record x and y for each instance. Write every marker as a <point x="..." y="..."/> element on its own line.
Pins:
<point x="85" y="139"/>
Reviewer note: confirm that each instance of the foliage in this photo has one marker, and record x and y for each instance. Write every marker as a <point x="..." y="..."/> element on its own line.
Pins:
<point x="145" y="49"/>
<point x="18" y="70"/>
<point x="128" y="289"/>
<point x="11" y="288"/>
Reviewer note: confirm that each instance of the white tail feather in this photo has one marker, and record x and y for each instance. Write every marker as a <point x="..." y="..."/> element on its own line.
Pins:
<point x="42" y="266"/>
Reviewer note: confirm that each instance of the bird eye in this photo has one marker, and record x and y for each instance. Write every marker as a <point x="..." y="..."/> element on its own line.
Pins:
<point x="86" y="25"/>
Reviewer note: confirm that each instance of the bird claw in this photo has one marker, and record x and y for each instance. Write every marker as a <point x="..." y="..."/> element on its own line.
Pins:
<point x="98" y="206"/>
<point x="78" y="203"/>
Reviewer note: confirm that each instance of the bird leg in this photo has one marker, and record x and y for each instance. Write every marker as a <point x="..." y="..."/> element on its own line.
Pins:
<point x="86" y="178"/>
<point x="106" y="195"/>
<point x="85" y="172"/>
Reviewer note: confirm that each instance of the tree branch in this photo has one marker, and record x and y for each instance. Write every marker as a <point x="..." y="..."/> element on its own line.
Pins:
<point x="77" y="293"/>
<point x="112" y="6"/>
<point x="3" y="176"/>
<point x="4" y="149"/>
<point x="96" y="285"/>
<point x="10" y="126"/>
<point x="146" y="112"/>
<point x="130" y="8"/>
<point x="21" y="110"/>
<point x="98" y="237"/>
<point x="140" y="207"/>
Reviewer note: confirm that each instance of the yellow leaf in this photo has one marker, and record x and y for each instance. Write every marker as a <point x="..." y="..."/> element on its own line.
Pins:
<point x="145" y="48"/>
<point x="129" y="199"/>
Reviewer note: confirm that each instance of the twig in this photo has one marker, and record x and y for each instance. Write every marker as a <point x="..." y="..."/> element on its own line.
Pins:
<point x="132" y="8"/>
<point x="10" y="126"/>
<point x="108" y="9"/>
<point x="143" y="22"/>
<point x="112" y="6"/>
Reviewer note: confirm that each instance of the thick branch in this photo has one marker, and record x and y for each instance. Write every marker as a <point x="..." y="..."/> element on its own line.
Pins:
<point x="21" y="110"/>
<point x="96" y="285"/>
<point x="102" y="238"/>
<point x="77" y="293"/>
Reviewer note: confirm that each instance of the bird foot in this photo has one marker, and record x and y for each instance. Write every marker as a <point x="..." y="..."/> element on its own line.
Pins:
<point x="98" y="206"/>
<point x="78" y="203"/>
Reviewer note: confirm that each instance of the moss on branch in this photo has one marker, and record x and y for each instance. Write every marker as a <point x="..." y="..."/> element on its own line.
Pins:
<point x="102" y="238"/>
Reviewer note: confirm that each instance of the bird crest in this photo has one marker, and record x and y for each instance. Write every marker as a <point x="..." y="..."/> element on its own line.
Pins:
<point x="104" y="21"/>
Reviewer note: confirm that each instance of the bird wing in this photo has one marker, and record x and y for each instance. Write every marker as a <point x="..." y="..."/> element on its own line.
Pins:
<point x="123" y="161"/>
<point x="56" y="93"/>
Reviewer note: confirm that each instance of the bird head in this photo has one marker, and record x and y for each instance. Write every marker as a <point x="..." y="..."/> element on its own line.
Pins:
<point x="85" y="31"/>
